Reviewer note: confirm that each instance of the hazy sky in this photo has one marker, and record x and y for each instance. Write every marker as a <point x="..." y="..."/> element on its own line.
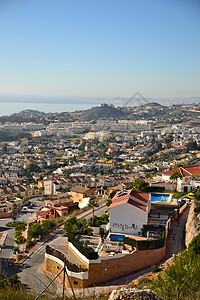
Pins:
<point x="100" y="48"/>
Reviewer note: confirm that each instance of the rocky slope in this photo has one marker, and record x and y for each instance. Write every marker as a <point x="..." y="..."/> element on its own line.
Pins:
<point x="192" y="225"/>
<point x="133" y="293"/>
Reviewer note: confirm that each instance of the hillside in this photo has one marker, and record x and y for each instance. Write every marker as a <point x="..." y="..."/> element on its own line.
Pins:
<point x="153" y="105"/>
<point x="30" y="113"/>
<point x="100" y="112"/>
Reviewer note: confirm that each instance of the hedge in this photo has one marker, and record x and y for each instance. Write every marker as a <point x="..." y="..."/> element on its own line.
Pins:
<point x="84" y="250"/>
<point x="146" y="244"/>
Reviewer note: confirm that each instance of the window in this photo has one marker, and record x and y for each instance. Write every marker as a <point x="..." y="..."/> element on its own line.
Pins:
<point x="75" y="282"/>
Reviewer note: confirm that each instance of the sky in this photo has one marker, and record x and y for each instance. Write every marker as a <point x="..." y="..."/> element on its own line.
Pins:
<point x="99" y="48"/>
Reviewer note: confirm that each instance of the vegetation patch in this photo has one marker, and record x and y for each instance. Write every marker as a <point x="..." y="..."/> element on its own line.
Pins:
<point x="181" y="280"/>
<point x="74" y="226"/>
<point x="15" y="223"/>
<point x="40" y="230"/>
<point x="146" y="244"/>
<point x="98" y="221"/>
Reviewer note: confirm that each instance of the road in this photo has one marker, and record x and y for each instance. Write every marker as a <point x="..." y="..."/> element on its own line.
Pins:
<point x="177" y="239"/>
<point x="10" y="245"/>
<point x="30" y="272"/>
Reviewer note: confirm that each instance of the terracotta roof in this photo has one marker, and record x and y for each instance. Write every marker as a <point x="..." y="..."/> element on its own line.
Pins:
<point x="79" y="189"/>
<point x="185" y="171"/>
<point x="145" y="197"/>
<point x="130" y="201"/>
<point x="129" y="196"/>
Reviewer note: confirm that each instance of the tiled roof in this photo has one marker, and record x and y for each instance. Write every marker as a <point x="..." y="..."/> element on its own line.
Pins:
<point x="131" y="197"/>
<point x="79" y="189"/>
<point x="185" y="171"/>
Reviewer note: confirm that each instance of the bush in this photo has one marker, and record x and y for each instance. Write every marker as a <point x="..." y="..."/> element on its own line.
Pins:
<point x="35" y="231"/>
<point x="47" y="225"/>
<point x="181" y="280"/>
<point x="14" y="224"/>
<point x="197" y="210"/>
<point x="12" y="281"/>
<point x="146" y="244"/>
<point x="155" y="269"/>
<point x="73" y="226"/>
<point x="88" y="253"/>
<point x="194" y="246"/>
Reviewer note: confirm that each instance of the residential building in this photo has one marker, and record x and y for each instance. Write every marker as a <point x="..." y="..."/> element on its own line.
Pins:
<point x="129" y="212"/>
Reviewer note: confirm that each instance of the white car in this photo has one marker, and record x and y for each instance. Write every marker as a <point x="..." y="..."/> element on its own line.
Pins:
<point x="25" y="209"/>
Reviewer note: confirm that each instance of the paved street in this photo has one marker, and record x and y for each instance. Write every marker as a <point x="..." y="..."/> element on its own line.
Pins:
<point x="9" y="245"/>
<point x="30" y="272"/>
<point x="177" y="238"/>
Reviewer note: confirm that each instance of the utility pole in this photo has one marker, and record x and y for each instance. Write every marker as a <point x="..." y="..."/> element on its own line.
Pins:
<point x="63" y="296"/>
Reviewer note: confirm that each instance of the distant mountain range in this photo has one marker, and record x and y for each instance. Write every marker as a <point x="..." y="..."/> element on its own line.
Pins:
<point x="149" y="110"/>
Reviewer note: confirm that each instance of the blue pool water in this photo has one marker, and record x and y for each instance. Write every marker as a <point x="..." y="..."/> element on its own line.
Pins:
<point x="159" y="197"/>
<point x="116" y="237"/>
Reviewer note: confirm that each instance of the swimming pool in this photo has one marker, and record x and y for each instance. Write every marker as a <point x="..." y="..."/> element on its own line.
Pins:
<point x="159" y="197"/>
<point x="116" y="237"/>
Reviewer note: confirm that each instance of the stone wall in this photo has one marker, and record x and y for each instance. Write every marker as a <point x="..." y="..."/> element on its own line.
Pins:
<point x="108" y="268"/>
<point x="192" y="225"/>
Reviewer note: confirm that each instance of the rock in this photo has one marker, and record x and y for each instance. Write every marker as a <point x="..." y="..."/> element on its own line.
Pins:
<point x="133" y="293"/>
<point x="192" y="225"/>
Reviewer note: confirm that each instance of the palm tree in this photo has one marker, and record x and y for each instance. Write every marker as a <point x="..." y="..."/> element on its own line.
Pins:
<point x="92" y="203"/>
<point x="174" y="177"/>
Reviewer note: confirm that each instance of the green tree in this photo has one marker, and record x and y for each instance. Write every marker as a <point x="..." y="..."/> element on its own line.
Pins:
<point x="192" y="145"/>
<point x="140" y="185"/>
<point x="108" y="202"/>
<point x="35" y="231"/>
<point x="92" y="203"/>
<point x="174" y="177"/>
<point x="112" y="194"/>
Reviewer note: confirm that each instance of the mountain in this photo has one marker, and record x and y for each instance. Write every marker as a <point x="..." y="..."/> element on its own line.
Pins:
<point x="102" y="111"/>
<point x="30" y="113"/>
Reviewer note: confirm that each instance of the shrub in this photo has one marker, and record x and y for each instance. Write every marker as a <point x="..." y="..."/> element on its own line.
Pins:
<point x="14" y="224"/>
<point x="197" y="210"/>
<point x="180" y="280"/>
<point x="146" y="244"/>
<point x="155" y="269"/>
<point x="194" y="246"/>
<point x="35" y="231"/>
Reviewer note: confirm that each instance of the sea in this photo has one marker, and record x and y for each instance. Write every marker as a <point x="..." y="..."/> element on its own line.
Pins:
<point x="10" y="105"/>
<point x="13" y="107"/>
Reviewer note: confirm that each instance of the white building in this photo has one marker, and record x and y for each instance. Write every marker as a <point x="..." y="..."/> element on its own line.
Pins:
<point x="99" y="135"/>
<point x="49" y="187"/>
<point x="187" y="182"/>
<point x="33" y="126"/>
<point x="129" y="212"/>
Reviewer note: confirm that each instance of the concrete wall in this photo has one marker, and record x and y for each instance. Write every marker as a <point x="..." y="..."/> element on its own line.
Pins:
<point x="106" y="268"/>
<point x="55" y="267"/>
<point x="116" y="267"/>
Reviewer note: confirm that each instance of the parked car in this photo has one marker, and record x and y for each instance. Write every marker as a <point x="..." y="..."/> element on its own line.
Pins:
<point x="25" y="209"/>
<point x="11" y="262"/>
